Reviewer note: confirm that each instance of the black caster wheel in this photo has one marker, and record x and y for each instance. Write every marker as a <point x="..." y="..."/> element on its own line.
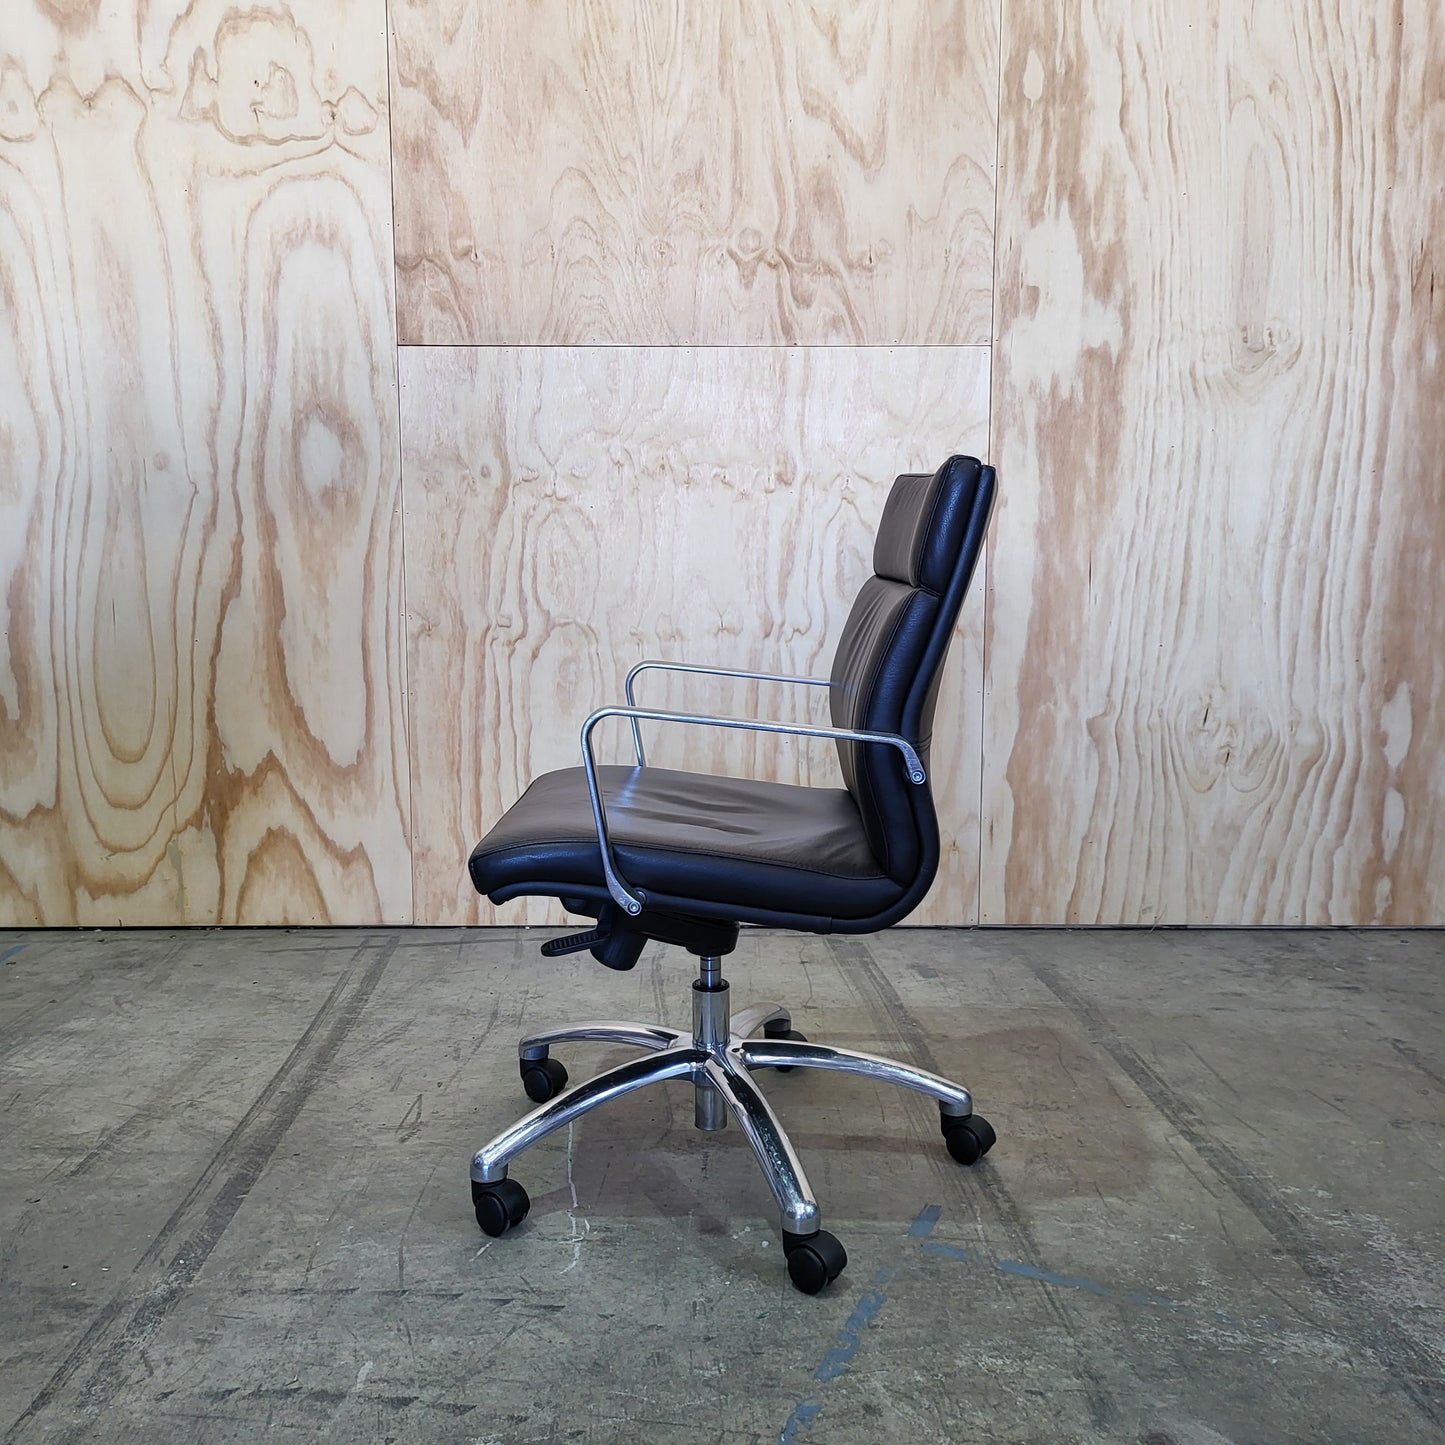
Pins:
<point x="968" y="1138"/>
<point x="777" y="1029"/>
<point x="500" y="1205"/>
<point x="543" y="1079"/>
<point x="814" y="1260"/>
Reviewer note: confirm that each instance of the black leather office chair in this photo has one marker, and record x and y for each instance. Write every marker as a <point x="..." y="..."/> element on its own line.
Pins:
<point x="685" y="858"/>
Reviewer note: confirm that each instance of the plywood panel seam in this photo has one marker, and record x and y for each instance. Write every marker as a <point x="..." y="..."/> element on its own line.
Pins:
<point x="408" y="720"/>
<point x="992" y="453"/>
<point x="993" y="234"/>
<point x="648" y="346"/>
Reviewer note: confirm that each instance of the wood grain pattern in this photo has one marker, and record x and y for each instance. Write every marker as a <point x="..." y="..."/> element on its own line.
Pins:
<point x="1216" y="654"/>
<point x="647" y="171"/>
<point x="201" y="673"/>
<point x="570" y="512"/>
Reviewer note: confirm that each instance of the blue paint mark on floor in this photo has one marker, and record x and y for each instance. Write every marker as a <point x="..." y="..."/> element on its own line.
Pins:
<point x="11" y="952"/>
<point x="804" y="1413"/>
<point x="949" y="1251"/>
<point x="839" y="1357"/>
<point x="837" y="1360"/>
<point x="1089" y="1286"/>
<point x="935" y="1250"/>
<point x="926" y="1222"/>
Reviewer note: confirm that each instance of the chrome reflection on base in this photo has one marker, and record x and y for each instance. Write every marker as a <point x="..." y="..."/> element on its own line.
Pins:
<point x="602" y="1031"/>
<point x="770" y="1053"/>
<point x="489" y="1163"/>
<point x="717" y="1059"/>
<point x="711" y="1034"/>
<point x="709" y="1107"/>
<point x="751" y="1019"/>
<point x="774" y="1150"/>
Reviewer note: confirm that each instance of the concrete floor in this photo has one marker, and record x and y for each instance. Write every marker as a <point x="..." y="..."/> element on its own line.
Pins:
<point x="233" y="1195"/>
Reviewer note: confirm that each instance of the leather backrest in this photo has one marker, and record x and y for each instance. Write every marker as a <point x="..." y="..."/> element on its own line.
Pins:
<point x="890" y="658"/>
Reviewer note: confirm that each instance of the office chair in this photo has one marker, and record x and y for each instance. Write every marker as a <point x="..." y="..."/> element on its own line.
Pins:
<point x="685" y="858"/>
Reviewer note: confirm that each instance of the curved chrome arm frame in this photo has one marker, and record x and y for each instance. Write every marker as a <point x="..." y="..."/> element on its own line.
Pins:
<point x="631" y="900"/>
<point x="653" y="665"/>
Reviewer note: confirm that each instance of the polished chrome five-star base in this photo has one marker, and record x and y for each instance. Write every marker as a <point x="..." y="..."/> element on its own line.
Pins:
<point x="718" y="1058"/>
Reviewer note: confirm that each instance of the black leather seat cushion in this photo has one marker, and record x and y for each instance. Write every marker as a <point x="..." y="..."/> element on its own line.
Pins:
<point x="759" y="845"/>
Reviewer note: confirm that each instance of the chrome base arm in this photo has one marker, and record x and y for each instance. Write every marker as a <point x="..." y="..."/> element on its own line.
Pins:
<point x="775" y="1154"/>
<point x="718" y="1058"/>
<point x="489" y="1163"/>
<point x="603" y="1031"/>
<point x="749" y="1020"/>
<point x="953" y="1098"/>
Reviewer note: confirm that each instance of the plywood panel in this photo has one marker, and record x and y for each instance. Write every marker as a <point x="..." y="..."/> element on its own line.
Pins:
<point x="649" y="171"/>
<point x="570" y="512"/>
<point x="1215" y="688"/>
<point x="201" y="664"/>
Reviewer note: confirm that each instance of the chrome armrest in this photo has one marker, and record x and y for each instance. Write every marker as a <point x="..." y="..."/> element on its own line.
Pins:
<point x="653" y="665"/>
<point x="631" y="900"/>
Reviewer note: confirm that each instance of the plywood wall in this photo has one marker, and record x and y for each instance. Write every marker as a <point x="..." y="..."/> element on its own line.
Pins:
<point x="1216" y="654"/>
<point x="674" y="291"/>
<point x="656" y="172"/>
